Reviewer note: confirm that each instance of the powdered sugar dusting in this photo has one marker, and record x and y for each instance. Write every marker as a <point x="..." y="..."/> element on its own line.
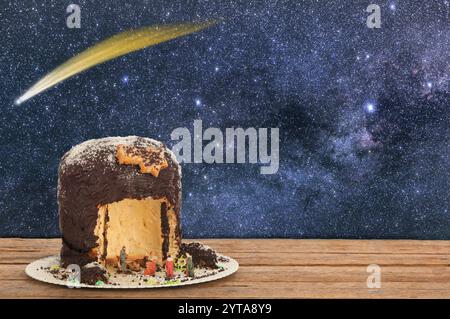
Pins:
<point x="84" y="153"/>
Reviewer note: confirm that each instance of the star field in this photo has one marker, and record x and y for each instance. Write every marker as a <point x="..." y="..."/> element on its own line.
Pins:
<point x="364" y="114"/>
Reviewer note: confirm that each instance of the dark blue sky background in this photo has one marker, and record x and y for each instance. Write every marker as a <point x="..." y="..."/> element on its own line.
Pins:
<point x="363" y="113"/>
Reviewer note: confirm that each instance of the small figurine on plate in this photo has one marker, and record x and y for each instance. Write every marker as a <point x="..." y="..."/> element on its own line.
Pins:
<point x="189" y="266"/>
<point x="123" y="259"/>
<point x="150" y="268"/>
<point x="169" y="267"/>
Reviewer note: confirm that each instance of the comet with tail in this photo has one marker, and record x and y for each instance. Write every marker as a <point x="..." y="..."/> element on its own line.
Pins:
<point x="115" y="46"/>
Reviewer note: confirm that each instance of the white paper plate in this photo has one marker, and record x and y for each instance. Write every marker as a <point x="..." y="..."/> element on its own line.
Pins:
<point x="39" y="270"/>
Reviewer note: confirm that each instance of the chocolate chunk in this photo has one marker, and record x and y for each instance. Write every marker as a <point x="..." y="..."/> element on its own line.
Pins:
<point x="202" y="256"/>
<point x="90" y="275"/>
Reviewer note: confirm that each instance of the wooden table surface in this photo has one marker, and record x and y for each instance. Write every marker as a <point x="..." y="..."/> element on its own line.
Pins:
<point x="269" y="268"/>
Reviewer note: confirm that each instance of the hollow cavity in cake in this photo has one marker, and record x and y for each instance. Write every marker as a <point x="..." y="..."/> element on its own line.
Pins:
<point x="145" y="227"/>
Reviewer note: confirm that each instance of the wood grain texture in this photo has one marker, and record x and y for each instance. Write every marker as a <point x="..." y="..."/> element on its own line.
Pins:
<point x="269" y="268"/>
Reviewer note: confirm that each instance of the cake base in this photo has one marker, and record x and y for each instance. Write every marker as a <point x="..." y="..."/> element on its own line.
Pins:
<point x="48" y="270"/>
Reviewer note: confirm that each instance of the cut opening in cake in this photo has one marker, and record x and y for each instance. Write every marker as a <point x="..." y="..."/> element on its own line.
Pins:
<point x="145" y="227"/>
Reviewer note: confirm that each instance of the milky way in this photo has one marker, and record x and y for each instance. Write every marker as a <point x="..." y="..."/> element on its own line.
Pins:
<point x="364" y="114"/>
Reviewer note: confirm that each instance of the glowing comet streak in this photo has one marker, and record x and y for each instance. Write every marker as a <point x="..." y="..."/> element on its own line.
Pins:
<point x="115" y="46"/>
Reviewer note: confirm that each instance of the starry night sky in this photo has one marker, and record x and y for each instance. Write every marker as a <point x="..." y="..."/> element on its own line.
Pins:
<point x="364" y="114"/>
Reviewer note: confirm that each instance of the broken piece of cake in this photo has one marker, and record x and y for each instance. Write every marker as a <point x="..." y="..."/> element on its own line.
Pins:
<point x="119" y="208"/>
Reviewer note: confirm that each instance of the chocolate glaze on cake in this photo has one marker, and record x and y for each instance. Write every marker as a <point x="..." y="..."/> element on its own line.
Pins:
<point x="90" y="177"/>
